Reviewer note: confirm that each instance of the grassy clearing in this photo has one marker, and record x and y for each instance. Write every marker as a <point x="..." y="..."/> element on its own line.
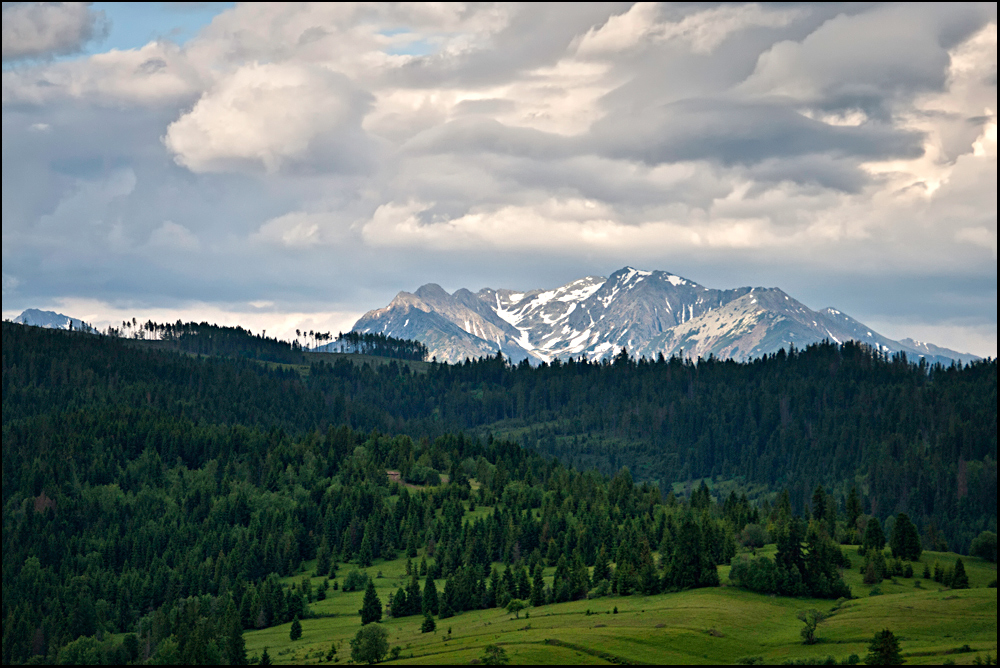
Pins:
<point x="717" y="626"/>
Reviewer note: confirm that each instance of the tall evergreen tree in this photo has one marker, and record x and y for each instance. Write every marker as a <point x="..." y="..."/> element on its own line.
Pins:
<point x="430" y="597"/>
<point x="371" y="607"/>
<point x="233" y="646"/>
<point x="538" y="587"/>
<point x="874" y="537"/>
<point x="960" y="579"/>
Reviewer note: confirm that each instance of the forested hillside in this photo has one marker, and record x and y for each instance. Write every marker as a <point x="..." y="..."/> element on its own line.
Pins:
<point x="161" y="495"/>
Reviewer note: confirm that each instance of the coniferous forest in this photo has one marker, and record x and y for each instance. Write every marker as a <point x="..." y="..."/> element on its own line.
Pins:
<point x="156" y="493"/>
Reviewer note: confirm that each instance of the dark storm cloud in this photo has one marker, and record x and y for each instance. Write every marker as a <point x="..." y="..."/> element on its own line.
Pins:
<point x="733" y="132"/>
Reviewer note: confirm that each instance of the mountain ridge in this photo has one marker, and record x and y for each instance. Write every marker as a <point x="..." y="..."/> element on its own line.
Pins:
<point x="649" y="313"/>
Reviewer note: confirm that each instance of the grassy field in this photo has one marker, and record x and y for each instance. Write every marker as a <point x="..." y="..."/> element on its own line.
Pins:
<point x="718" y="626"/>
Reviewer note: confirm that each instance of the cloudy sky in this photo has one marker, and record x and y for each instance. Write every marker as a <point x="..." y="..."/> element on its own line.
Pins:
<point x="293" y="166"/>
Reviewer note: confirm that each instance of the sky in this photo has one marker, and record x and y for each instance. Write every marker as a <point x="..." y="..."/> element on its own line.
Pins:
<point x="293" y="166"/>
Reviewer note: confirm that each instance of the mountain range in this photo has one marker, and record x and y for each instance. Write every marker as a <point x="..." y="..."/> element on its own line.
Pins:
<point x="50" y="320"/>
<point x="647" y="312"/>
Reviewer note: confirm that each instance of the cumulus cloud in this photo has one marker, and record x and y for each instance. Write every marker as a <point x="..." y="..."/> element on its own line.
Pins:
<point x="274" y="116"/>
<point x="702" y="31"/>
<point x="45" y="29"/>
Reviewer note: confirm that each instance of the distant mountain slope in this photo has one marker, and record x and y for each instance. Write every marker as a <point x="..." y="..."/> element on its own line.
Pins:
<point x="648" y="312"/>
<point x="50" y="320"/>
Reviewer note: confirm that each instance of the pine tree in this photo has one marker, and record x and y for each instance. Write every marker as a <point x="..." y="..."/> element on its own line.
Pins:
<point x="234" y="647"/>
<point x="960" y="580"/>
<point x="296" y="632"/>
<point x="853" y="509"/>
<point x="265" y="659"/>
<point x="414" y="599"/>
<point x="371" y="607"/>
<point x="430" y="597"/>
<point x="538" y="587"/>
<point x="874" y="537"/>
<point x="884" y="650"/>
<point x="398" y="604"/>
<point x="905" y="542"/>
<point x="428" y="626"/>
<point x="602" y="570"/>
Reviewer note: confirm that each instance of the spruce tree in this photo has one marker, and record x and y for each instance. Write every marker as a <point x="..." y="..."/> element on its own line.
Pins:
<point x="960" y="580"/>
<point x="884" y="650"/>
<point x="233" y="647"/>
<point x="905" y="541"/>
<point x="853" y="509"/>
<point x="265" y="659"/>
<point x="538" y="587"/>
<point x="371" y="607"/>
<point x="602" y="571"/>
<point x="399" y="604"/>
<point x="296" y="632"/>
<point x="430" y="597"/>
<point x="428" y="626"/>
<point x="874" y="537"/>
<point x="414" y="599"/>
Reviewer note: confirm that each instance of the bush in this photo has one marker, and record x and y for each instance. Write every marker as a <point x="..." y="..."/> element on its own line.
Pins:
<point x="993" y="585"/>
<point x="753" y="536"/>
<point x="602" y="589"/>
<point x="876" y="591"/>
<point x="494" y="655"/>
<point x="985" y="547"/>
<point x="370" y="645"/>
<point x="423" y="475"/>
<point x="356" y="581"/>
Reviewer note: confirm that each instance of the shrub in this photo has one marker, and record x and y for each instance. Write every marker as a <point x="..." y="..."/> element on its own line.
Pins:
<point x="811" y="619"/>
<point x="423" y="475"/>
<point x="494" y="655"/>
<point x="985" y="547"/>
<point x="753" y="536"/>
<point x="370" y="645"/>
<point x="993" y="585"/>
<point x="876" y="591"/>
<point x="602" y="589"/>
<point x="356" y="581"/>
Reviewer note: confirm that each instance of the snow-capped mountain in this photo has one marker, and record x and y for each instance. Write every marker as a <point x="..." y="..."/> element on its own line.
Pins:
<point x="50" y="320"/>
<point x="648" y="313"/>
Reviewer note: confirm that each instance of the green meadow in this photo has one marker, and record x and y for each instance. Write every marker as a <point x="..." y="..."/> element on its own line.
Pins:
<point x="709" y="626"/>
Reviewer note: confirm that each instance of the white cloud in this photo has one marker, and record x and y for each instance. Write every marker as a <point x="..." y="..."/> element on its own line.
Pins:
<point x="271" y="115"/>
<point x="171" y="236"/>
<point x="702" y="31"/>
<point x="160" y="73"/>
<point x="42" y="29"/>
